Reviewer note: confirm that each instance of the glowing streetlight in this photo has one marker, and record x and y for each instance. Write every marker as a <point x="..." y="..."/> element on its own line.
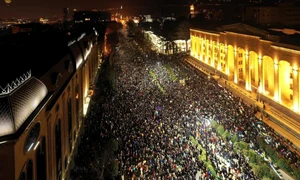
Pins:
<point x="8" y="2"/>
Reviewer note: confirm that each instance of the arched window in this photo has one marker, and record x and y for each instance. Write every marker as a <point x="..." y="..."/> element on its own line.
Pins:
<point x="41" y="160"/>
<point x="27" y="173"/>
<point x="22" y="176"/>
<point x="32" y="137"/>
<point x="70" y="117"/>
<point x="58" y="149"/>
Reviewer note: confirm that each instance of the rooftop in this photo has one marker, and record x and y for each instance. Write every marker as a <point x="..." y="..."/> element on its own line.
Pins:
<point x="255" y="30"/>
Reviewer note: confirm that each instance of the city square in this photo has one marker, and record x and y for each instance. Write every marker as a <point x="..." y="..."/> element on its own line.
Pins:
<point x="163" y="115"/>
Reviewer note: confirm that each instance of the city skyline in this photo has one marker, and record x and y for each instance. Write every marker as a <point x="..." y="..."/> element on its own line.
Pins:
<point x="47" y="8"/>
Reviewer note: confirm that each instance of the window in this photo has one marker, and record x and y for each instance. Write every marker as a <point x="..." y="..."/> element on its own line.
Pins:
<point x="32" y="137"/>
<point x="57" y="80"/>
<point x="22" y="176"/>
<point x="291" y="97"/>
<point x="58" y="149"/>
<point x="27" y="173"/>
<point x="41" y="160"/>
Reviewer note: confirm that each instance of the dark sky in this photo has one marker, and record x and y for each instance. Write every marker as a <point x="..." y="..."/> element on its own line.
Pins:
<point x="38" y="8"/>
<point x="46" y="8"/>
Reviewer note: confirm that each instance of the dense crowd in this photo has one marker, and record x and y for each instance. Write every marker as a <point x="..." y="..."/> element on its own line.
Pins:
<point x="158" y="103"/>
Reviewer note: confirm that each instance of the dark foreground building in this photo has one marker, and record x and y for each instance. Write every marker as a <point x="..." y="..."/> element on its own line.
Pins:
<point x="45" y="89"/>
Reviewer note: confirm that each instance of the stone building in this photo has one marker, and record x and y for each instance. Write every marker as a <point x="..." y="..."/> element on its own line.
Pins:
<point x="42" y="111"/>
<point x="260" y="60"/>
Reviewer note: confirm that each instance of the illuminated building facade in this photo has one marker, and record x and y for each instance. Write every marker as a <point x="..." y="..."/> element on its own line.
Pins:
<point x="252" y="58"/>
<point x="42" y="111"/>
<point x="160" y="45"/>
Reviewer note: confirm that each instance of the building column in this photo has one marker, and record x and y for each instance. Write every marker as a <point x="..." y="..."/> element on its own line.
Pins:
<point x="247" y="73"/>
<point x="198" y="47"/>
<point x="276" y="82"/>
<point x="201" y="49"/>
<point x="206" y="51"/>
<point x="219" y="58"/>
<point x="227" y="70"/>
<point x="192" y="46"/>
<point x="236" y="67"/>
<point x="195" y="46"/>
<point x="296" y="103"/>
<point x="212" y="54"/>
<point x="261" y="81"/>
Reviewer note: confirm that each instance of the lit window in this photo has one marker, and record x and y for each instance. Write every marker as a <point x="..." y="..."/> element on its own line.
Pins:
<point x="32" y="137"/>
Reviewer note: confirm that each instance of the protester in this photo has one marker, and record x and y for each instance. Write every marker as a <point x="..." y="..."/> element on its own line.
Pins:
<point x="153" y="115"/>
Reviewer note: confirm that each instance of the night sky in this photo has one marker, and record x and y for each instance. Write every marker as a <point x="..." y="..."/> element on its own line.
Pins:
<point x="49" y="8"/>
<point x="44" y="8"/>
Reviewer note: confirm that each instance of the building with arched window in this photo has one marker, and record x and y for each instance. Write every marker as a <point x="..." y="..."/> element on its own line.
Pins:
<point x="43" y="109"/>
<point x="259" y="60"/>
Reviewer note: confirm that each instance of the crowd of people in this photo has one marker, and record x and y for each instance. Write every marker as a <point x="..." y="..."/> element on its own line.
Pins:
<point x="158" y="103"/>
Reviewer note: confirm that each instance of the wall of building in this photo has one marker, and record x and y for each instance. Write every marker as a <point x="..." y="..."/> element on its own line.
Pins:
<point x="66" y="110"/>
<point x="273" y="15"/>
<point x="268" y="68"/>
<point x="7" y="156"/>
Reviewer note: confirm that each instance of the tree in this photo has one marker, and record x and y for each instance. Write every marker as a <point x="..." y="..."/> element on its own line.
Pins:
<point x="183" y="32"/>
<point x="234" y="138"/>
<point x="168" y="30"/>
<point x="107" y="155"/>
<point x="132" y="27"/>
<point x="112" y="169"/>
<point x="220" y="129"/>
<point x="112" y="39"/>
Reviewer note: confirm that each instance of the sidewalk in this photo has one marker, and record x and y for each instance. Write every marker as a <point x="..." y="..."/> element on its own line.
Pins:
<point x="279" y="123"/>
<point x="284" y="125"/>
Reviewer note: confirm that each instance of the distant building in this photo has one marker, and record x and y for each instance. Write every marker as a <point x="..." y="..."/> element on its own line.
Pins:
<point x="30" y="27"/>
<point x="44" y="20"/>
<point x="66" y="12"/>
<point x="43" y="102"/>
<point x="193" y="12"/>
<point x="273" y="15"/>
<point x="160" y="45"/>
<point x="91" y="17"/>
<point x="66" y="17"/>
<point x="146" y="18"/>
<point x="175" y="10"/>
<point x="228" y="12"/>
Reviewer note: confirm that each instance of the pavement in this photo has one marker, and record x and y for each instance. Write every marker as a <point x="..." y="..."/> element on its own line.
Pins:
<point x="284" y="175"/>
